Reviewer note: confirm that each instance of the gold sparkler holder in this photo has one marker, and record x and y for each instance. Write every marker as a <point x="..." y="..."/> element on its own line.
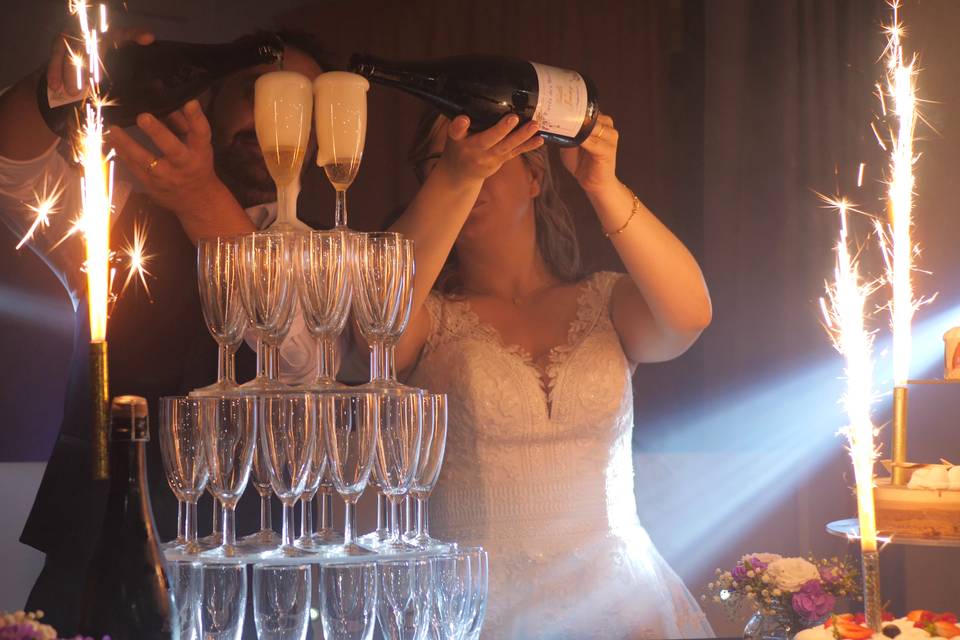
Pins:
<point x="899" y="449"/>
<point x="100" y="409"/>
<point x="873" y="608"/>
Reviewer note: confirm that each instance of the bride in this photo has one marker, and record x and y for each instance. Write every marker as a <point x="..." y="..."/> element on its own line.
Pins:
<point x="536" y="359"/>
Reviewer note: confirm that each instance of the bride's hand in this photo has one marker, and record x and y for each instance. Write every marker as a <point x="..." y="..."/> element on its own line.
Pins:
<point x="474" y="158"/>
<point x="594" y="162"/>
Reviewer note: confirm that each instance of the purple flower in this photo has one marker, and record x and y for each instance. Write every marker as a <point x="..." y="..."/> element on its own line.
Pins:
<point x="830" y="575"/>
<point x="757" y="563"/>
<point x="812" y="602"/>
<point x="19" y="632"/>
<point x="739" y="573"/>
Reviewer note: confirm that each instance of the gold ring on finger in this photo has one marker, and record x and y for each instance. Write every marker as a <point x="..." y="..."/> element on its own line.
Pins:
<point x="600" y="132"/>
<point x="153" y="164"/>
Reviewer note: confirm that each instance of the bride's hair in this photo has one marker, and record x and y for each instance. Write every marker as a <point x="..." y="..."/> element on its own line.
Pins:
<point x="556" y="235"/>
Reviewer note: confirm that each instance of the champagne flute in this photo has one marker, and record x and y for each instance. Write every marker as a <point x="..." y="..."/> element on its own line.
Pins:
<point x="323" y="282"/>
<point x="223" y="601"/>
<point x="398" y="453"/>
<point x="403" y="598"/>
<point x="229" y="430"/>
<point x="350" y="422"/>
<point x="378" y="278"/>
<point x="288" y="435"/>
<point x="283" y="105"/>
<point x="267" y="290"/>
<point x="341" y="123"/>
<point x="347" y="600"/>
<point x="184" y="458"/>
<point x="266" y="539"/>
<point x="218" y="275"/>
<point x="432" y="448"/>
<point x="480" y="578"/>
<point x="281" y="601"/>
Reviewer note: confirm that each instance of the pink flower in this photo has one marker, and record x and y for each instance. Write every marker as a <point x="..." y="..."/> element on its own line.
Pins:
<point x="812" y="602"/>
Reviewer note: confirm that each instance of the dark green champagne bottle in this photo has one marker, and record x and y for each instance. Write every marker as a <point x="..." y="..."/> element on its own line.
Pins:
<point x="127" y="595"/>
<point x="159" y="77"/>
<point x="487" y="87"/>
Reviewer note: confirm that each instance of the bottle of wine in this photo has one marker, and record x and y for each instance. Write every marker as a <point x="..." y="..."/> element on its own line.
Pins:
<point x="127" y="595"/>
<point x="159" y="77"/>
<point x="487" y="87"/>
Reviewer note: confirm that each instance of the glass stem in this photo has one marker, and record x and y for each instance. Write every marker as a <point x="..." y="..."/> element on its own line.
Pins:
<point x="223" y="363"/>
<point x="381" y="515"/>
<point x="408" y="515"/>
<point x="390" y="361"/>
<point x="273" y="362"/>
<point x="263" y="358"/>
<point x="287" y="525"/>
<point x="190" y="522"/>
<point x="232" y="363"/>
<point x="266" y="518"/>
<point x="287" y="202"/>
<point x="394" y="520"/>
<point x="377" y="362"/>
<point x="349" y="524"/>
<point x="229" y="526"/>
<point x="306" y="518"/>
<point x="216" y="517"/>
<point x="326" y="510"/>
<point x="181" y="532"/>
<point x="340" y="215"/>
<point x="325" y="360"/>
<point x="423" y="519"/>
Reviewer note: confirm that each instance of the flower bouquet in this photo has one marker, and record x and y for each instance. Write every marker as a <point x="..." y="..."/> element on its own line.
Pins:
<point x="27" y="626"/>
<point x="793" y="592"/>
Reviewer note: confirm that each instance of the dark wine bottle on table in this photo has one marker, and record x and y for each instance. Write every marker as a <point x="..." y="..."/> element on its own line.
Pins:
<point x="487" y="87"/>
<point x="127" y="595"/>
<point x="158" y="78"/>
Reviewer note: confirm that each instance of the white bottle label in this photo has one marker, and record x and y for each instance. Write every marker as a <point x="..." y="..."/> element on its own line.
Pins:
<point x="61" y="98"/>
<point x="562" y="101"/>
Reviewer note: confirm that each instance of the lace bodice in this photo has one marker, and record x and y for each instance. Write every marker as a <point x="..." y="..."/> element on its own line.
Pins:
<point x="539" y="471"/>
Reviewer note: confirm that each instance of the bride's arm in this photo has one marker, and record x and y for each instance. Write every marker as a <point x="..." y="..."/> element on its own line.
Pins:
<point x="661" y="310"/>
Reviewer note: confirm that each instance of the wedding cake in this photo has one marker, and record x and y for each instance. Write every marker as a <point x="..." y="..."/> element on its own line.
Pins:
<point x="928" y="506"/>
<point x="917" y="625"/>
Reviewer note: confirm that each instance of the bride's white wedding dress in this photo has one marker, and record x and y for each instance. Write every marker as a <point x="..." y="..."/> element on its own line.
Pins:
<point x="539" y="471"/>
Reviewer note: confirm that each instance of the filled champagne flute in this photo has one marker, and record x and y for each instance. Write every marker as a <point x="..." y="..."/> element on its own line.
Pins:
<point x="341" y="123"/>
<point x="283" y="106"/>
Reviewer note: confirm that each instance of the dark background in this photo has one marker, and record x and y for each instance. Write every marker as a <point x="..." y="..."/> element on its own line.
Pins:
<point x="732" y="113"/>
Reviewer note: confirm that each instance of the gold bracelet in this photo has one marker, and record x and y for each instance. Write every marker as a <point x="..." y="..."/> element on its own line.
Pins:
<point x="636" y="207"/>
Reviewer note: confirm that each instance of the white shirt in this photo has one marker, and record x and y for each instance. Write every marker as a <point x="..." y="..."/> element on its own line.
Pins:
<point x="22" y="182"/>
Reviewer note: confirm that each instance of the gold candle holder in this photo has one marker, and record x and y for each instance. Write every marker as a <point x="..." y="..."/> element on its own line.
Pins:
<point x="899" y="459"/>
<point x="872" y="604"/>
<point x="100" y="409"/>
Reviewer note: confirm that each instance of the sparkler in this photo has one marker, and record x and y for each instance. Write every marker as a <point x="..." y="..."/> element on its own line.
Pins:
<point x="843" y="312"/>
<point x="94" y="222"/>
<point x="898" y="248"/>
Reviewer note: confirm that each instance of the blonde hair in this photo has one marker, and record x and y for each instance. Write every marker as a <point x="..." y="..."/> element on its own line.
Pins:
<point x="555" y="232"/>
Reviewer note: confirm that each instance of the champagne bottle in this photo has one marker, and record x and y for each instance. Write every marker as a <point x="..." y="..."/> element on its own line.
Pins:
<point x="158" y="78"/>
<point x="487" y="87"/>
<point x="127" y="594"/>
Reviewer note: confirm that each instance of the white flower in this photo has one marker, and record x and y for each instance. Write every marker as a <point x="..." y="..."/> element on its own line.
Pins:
<point x="751" y="574"/>
<point x="790" y="574"/>
<point x="762" y="557"/>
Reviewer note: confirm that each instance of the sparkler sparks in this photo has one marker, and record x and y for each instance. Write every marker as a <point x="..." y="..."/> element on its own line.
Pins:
<point x="46" y="206"/>
<point x="97" y="169"/>
<point x="137" y="259"/>
<point x="843" y="311"/>
<point x="897" y="246"/>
